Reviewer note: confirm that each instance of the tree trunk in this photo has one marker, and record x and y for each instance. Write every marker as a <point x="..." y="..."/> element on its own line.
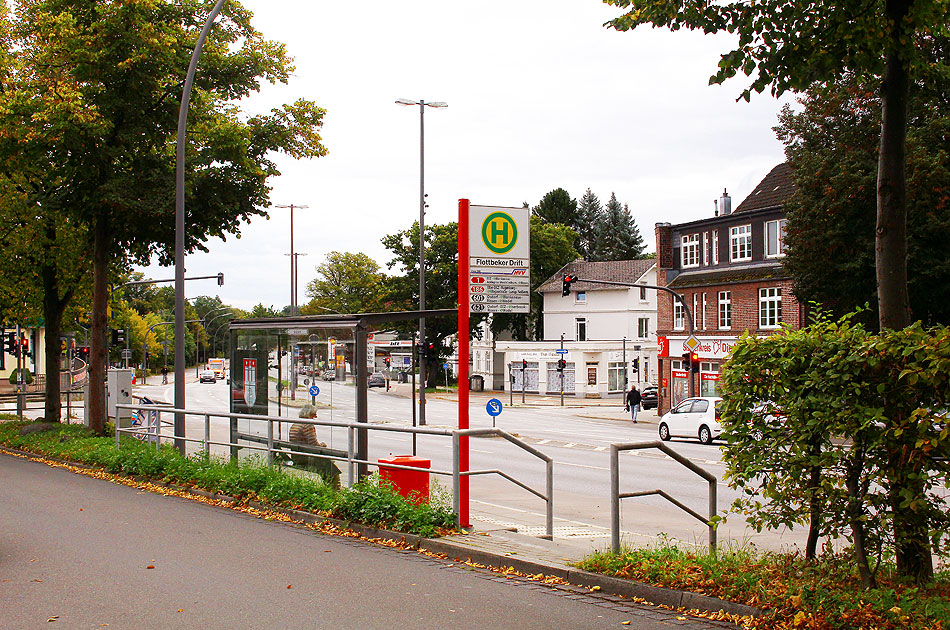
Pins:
<point x="911" y="531"/>
<point x="53" y="309"/>
<point x="855" y="513"/>
<point x="814" y="513"/>
<point x="100" y="297"/>
<point x="891" y="232"/>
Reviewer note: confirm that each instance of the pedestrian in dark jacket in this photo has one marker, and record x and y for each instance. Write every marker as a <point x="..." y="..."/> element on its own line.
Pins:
<point x="633" y="402"/>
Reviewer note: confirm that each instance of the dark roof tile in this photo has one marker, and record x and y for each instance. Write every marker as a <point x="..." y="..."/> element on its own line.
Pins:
<point x="774" y="190"/>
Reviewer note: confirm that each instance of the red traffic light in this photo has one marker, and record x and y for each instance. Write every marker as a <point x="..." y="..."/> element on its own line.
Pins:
<point x="694" y="357"/>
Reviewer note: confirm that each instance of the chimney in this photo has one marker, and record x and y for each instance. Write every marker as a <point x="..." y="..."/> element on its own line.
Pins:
<point x="725" y="203"/>
<point x="664" y="245"/>
<point x="715" y="207"/>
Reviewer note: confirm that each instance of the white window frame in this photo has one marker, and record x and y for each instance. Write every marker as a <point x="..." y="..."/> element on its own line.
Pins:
<point x="615" y="372"/>
<point x="689" y="250"/>
<point x="704" y="312"/>
<point x="679" y="316"/>
<point x="705" y="248"/>
<point x="780" y="238"/>
<point x="770" y="307"/>
<point x="643" y="293"/>
<point x="740" y="243"/>
<point x="715" y="247"/>
<point x="580" y="322"/>
<point x="643" y="327"/>
<point x="725" y="310"/>
<point x="695" y="309"/>
<point x="580" y="297"/>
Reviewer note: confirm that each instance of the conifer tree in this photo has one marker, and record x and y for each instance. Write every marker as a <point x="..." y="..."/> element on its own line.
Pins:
<point x="617" y="235"/>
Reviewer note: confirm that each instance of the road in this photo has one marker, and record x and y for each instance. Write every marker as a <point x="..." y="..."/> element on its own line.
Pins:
<point x="577" y="438"/>
<point x="79" y="552"/>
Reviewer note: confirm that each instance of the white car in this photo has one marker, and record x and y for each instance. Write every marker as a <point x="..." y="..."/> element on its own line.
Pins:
<point x="692" y="418"/>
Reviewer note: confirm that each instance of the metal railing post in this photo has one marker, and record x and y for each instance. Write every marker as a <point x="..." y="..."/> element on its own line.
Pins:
<point x="117" y="437"/>
<point x="349" y="457"/>
<point x="270" y="441"/>
<point x="549" y="516"/>
<point x="207" y="434"/>
<point x="456" y="478"/>
<point x="614" y="498"/>
<point x="158" y="429"/>
<point x="713" y="499"/>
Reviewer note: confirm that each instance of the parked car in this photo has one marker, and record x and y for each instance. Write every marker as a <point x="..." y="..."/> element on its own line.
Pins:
<point x="693" y="418"/>
<point x="648" y="397"/>
<point x="376" y="379"/>
<point x="207" y="376"/>
<point x="329" y="375"/>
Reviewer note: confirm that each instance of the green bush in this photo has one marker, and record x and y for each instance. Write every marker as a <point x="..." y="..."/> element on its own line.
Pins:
<point x="27" y="376"/>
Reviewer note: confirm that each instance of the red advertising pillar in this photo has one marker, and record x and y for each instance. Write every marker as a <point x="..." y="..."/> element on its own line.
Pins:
<point x="463" y="341"/>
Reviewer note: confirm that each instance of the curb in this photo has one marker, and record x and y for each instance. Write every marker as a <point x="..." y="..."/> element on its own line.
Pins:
<point x="607" y="585"/>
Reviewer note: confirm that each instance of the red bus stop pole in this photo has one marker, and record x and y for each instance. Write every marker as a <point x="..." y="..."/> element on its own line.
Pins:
<point x="463" y="340"/>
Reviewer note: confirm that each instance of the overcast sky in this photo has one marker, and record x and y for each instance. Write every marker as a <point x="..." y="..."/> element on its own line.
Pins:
<point x="540" y="95"/>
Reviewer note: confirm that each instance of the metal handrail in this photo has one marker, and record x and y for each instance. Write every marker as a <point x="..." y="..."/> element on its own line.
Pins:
<point x="269" y="444"/>
<point x="615" y="494"/>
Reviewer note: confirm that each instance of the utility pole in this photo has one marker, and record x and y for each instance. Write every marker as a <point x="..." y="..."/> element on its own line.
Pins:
<point x="560" y="357"/>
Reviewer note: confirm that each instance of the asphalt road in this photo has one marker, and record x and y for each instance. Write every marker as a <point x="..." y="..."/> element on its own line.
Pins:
<point x="76" y="552"/>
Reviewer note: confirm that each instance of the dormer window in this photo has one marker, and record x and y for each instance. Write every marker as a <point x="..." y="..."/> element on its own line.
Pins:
<point x="775" y="238"/>
<point x="740" y="243"/>
<point x="690" y="250"/>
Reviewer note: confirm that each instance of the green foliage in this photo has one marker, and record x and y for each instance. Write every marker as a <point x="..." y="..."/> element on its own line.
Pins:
<point x="27" y="376"/>
<point x="832" y="144"/>
<point x="590" y="214"/>
<point x="557" y="207"/>
<point x="793" y="592"/>
<point x="853" y="435"/>
<point x="346" y="283"/>
<point x="367" y="502"/>
<point x="618" y="237"/>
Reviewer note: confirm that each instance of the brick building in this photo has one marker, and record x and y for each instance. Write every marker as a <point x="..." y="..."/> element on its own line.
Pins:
<point x="728" y="267"/>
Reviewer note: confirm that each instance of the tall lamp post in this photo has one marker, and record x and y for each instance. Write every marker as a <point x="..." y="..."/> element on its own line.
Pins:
<point x="293" y="259"/>
<point x="422" y="241"/>
<point x="296" y="268"/>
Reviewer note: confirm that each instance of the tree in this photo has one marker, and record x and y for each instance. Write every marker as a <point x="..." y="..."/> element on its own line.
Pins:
<point x="346" y="283"/>
<point x="557" y="207"/>
<point x="831" y="144"/>
<point x="441" y="264"/>
<point x="618" y="237"/>
<point x="590" y="215"/>
<point x="95" y="89"/>
<point x="794" y="46"/>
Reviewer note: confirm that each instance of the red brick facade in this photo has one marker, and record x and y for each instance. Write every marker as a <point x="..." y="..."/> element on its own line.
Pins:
<point x="707" y="270"/>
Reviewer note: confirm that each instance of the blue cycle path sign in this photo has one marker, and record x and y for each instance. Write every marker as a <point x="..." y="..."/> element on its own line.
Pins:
<point x="314" y="390"/>
<point x="494" y="407"/>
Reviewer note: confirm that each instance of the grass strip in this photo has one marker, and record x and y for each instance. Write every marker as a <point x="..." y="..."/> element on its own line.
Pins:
<point x="368" y="502"/>
<point x="822" y="594"/>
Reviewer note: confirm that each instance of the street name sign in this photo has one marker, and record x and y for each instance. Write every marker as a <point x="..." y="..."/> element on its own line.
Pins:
<point x="562" y="351"/>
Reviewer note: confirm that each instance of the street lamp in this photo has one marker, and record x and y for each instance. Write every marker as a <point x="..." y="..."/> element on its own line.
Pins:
<point x="293" y="259"/>
<point x="295" y="268"/>
<point x="422" y="240"/>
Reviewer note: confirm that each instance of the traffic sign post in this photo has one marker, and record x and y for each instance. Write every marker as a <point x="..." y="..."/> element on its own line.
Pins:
<point x="494" y="407"/>
<point x="314" y="392"/>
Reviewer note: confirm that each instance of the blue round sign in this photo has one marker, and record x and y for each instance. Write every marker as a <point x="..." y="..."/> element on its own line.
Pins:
<point x="494" y="407"/>
<point x="314" y="390"/>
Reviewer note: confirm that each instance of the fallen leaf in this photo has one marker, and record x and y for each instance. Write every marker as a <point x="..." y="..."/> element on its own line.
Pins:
<point x="80" y="509"/>
<point x="595" y="588"/>
<point x="290" y="586"/>
<point x="53" y="618"/>
<point x="327" y="551"/>
<point x="181" y="610"/>
<point x="624" y="623"/>
<point x="151" y="566"/>
<point x="37" y="580"/>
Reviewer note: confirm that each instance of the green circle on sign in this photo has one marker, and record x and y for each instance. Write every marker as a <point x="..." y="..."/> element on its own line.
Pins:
<point x="499" y="232"/>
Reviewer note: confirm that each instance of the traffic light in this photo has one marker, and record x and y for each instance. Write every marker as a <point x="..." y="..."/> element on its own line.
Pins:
<point x="694" y="361"/>
<point x="687" y="360"/>
<point x="387" y="360"/>
<point x="524" y="365"/>
<point x="9" y="342"/>
<point x="84" y="353"/>
<point x="561" y="364"/>
<point x="118" y="336"/>
<point x="220" y="279"/>
<point x="566" y="284"/>
<point x="636" y="365"/>
<point x="25" y="347"/>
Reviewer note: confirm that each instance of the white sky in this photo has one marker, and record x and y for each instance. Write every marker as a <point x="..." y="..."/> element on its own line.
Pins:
<point x="541" y="95"/>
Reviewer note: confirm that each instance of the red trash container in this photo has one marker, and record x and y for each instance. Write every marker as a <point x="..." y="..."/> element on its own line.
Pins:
<point x="412" y="484"/>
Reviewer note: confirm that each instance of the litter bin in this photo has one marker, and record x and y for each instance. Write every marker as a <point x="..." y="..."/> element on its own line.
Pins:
<point x="476" y="383"/>
<point x="412" y="484"/>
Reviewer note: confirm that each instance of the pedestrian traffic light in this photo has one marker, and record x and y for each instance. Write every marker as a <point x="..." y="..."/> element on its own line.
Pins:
<point x="387" y="360"/>
<point x="524" y="365"/>
<point x="25" y="348"/>
<point x="561" y="364"/>
<point x="636" y="365"/>
<point x="694" y="361"/>
<point x="566" y="284"/>
<point x="84" y="353"/>
<point x="687" y="360"/>
<point x="9" y="342"/>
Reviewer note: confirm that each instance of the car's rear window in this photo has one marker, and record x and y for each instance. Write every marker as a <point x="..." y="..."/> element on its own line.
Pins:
<point x="700" y="406"/>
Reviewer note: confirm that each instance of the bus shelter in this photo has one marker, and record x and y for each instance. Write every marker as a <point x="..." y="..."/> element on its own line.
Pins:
<point x="271" y="357"/>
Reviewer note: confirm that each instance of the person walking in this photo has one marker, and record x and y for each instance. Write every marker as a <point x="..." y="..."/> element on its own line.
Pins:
<point x="633" y="402"/>
<point x="164" y="375"/>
